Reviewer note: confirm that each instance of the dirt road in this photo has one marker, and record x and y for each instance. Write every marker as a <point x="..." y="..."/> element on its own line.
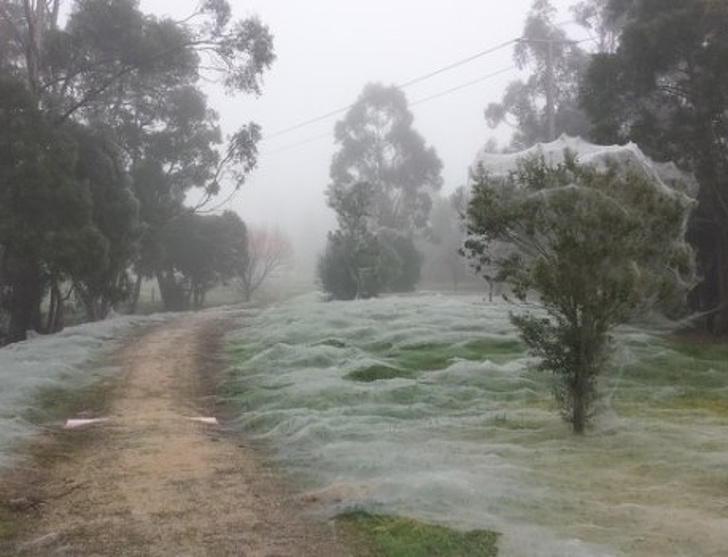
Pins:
<point x="151" y="482"/>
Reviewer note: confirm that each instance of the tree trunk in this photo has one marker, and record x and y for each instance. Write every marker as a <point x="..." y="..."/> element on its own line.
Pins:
<point x="55" y="317"/>
<point x="579" y="410"/>
<point x="174" y="296"/>
<point x="136" y="292"/>
<point x="26" y="292"/>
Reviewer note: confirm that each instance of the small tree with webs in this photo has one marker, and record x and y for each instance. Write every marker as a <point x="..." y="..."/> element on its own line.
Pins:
<point x="597" y="246"/>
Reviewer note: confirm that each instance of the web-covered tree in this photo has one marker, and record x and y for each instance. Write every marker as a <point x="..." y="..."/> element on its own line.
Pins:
<point x="597" y="246"/>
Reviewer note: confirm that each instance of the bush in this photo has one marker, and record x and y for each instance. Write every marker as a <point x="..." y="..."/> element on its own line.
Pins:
<point x="348" y="268"/>
<point x="400" y="262"/>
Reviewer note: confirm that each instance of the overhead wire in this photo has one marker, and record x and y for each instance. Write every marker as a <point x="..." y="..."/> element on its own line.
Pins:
<point x="414" y="103"/>
<point x="464" y="85"/>
<point x="404" y="85"/>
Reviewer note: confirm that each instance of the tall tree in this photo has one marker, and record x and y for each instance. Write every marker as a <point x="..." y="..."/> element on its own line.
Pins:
<point x="545" y="104"/>
<point x="666" y="88"/>
<point x="378" y="145"/>
<point x="46" y="229"/>
<point x="383" y="178"/>
<point x="134" y="78"/>
<point x="115" y="213"/>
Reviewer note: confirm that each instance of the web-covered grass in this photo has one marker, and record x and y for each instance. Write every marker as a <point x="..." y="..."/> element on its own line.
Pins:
<point x="37" y="375"/>
<point x="427" y="406"/>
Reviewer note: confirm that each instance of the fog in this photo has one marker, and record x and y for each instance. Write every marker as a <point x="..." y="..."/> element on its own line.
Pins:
<point x="327" y="50"/>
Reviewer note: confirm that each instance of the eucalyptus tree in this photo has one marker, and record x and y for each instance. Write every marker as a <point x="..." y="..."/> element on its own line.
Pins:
<point x="545" y="104"/>
<point x="135" y="79"/>
<point x="114" y="213"/>
<point x="46" y="226"/>
<point x="385" y="164"/>
<point x="666" y="88"/>
<point x="378" y="145"/>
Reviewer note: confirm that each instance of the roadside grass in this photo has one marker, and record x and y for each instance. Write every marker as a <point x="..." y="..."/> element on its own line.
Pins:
<point x="53" y="404"/>
<point x="396" y="536"/>
<point x="25" y="480"/>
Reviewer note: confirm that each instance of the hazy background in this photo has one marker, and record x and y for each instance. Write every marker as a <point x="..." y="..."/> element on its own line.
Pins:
<point x="327" y="50"/>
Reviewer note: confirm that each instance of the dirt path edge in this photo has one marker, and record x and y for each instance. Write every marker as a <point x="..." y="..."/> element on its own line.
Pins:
<point x="150" y="481"/>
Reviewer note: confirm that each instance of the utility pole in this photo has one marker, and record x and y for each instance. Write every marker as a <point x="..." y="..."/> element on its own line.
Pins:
<point x="550" y="93"/>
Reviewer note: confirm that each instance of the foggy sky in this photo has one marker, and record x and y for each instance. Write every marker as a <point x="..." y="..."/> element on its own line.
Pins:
<point x="327" y="50"/>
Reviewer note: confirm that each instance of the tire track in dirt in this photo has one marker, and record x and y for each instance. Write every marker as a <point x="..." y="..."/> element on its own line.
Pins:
<point x="153" y="483"/>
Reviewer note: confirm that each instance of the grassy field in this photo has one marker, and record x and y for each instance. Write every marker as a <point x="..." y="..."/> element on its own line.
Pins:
<point x="427" y="407"/>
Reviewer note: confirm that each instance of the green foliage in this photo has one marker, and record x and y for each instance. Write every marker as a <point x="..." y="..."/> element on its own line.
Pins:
<point x="118" y="89"/>
<point x="382" y="177"/>
<point x="376" y="373"/>
<point x="200" y="252"/>
<point x="358" y="263"/>
<point x="395" y="536"/>
<point x="379" y="146"/>
<point x="400" y="262"/>
<point x="557" y="66"/>
<point x="104" y="281"/>
<point x="665" y="87"/>
<point x="348" y="267"/>
<point x="560" y="223"/>
<point x="46" y="228"/>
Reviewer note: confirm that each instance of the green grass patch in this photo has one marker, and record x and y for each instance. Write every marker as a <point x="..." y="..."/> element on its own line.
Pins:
<point x="493" y="349"/>
<point x="437" y="356"/>
<point x="423" y="357"/>
<point x="406" y="360"/>
<point x="377" y="372"/>
<point x="395" y="536"/>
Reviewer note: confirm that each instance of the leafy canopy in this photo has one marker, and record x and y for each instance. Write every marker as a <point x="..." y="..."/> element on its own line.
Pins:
<point x="379" y="146"/>
<point x="598" y="245"/>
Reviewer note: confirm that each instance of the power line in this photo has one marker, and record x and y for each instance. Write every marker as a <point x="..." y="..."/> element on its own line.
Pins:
<point x="297" y="144"/>
<point x="458" y="63"/>
<point x="464" y="85"/>
<point x="404" y="85"/>
<point x="419" y="101"/>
